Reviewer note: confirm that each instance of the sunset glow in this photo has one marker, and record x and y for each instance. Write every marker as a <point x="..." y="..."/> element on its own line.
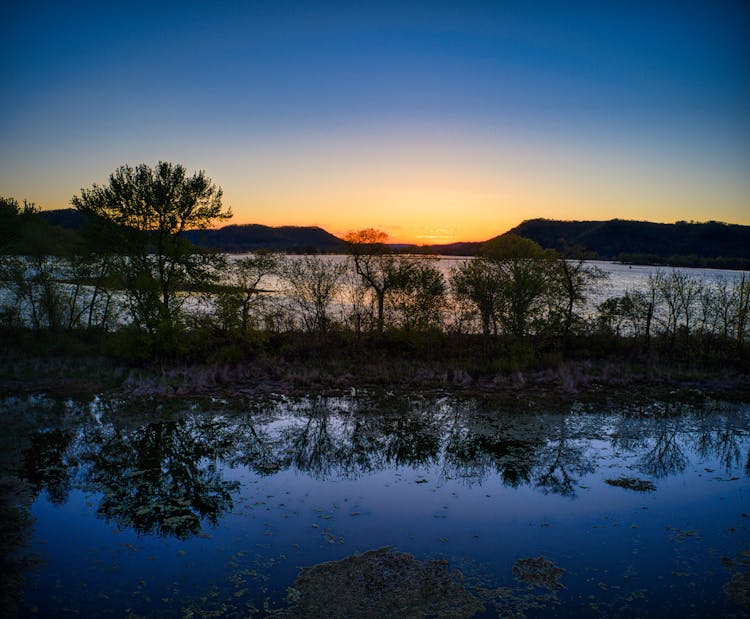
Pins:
<point x="433" y="124"/>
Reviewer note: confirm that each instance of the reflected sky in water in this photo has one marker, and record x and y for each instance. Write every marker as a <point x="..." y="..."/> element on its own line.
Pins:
<point x="185" y="510"/>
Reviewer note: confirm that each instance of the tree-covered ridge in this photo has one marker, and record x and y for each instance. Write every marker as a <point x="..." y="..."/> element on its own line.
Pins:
<point x="250" y="237"/>
<point x="611" y="239"/>
<point x="232" y="238"/>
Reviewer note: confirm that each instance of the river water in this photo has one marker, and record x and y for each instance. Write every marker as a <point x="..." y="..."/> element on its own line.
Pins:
<point x="215" y="508"/>
<point x="619" y="277"/>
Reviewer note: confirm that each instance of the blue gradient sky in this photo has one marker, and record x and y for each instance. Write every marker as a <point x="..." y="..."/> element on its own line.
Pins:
<point x="434" y="121"/>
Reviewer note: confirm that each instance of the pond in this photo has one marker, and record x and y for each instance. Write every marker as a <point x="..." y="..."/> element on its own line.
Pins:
<point x="364" y="506"/>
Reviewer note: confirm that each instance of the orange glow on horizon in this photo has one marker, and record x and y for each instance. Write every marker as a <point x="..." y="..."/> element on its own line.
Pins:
<point x="440" y="187"/>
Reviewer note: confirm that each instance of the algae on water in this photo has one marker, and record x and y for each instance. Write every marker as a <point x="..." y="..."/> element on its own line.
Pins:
<point x="539" y="572"/>
<point x="632" y="483"/>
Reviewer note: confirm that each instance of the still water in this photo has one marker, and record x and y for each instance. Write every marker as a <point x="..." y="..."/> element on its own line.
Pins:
<point x="222" y="509"/>
<point x="618" y="277"/>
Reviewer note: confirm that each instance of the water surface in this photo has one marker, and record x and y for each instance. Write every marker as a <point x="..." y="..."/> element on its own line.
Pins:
<point x="187" y="510"/>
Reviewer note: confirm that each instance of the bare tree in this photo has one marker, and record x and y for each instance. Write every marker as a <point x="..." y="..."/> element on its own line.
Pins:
<point x="314" y="282"/>
<point x="239" y="303"/>
<point x="741" y="310"/>
<point x="572" y="280"/>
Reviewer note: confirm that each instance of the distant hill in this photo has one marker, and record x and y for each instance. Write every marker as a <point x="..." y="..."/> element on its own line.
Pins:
<point x="232" y="238"/>
<point x="250" y="237"/>
<point x="618" y="238"/>
<point x="64" y="217"/>
<point x="680" y="244"/>
<point x="463" y="248"/>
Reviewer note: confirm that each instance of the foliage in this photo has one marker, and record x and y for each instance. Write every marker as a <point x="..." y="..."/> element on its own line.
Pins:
<point x="417" y="296"/>
<point x="143" y="213"/>
<point x="571" y="282"/>
<point x="375" y="264"/>
<point x="476" y="282"/>
<point x="130" y="279"/>
<point x="508" y="284"/>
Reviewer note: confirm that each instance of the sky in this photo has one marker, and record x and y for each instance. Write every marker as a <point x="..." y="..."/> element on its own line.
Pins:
<point x="435" y="122"/>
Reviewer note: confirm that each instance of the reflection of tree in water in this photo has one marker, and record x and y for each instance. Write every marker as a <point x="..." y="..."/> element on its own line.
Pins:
<point x="361" y="448"/>
<point x="720" y="436"/>
<point x="255" y="449"/>
<point x="163" y="477"/>
<point x="408" y="434"/>
<point x="410" y="440"/>
<point x="521" y="449"/>
<point x="46" y="465"/>
<point x="472" y="452"/>
<point x="561" y="461"/>
<point x="324" y="444"/>
<point x="17" y="494"/>
<point x="309" y="446"/>
<point x="663" y="434"/>
<point x="664" y="455"/>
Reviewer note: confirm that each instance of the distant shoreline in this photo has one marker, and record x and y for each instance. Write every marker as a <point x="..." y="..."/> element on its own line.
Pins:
<point x="710" y="244"/>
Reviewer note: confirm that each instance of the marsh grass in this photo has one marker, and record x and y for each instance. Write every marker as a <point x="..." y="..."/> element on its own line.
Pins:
<point x="208" y="362"/>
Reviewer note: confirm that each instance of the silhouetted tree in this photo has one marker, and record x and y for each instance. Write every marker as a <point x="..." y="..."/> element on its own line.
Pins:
<point x="417" y="296"/>
<point x="524" y="271"/>
<point x="478" y="282"/>
<point x="509" y="284"/>
<point x="375" y="263"/>
<point x="144" y="212"/>
<point x="32" y="270"/>
<point x="10" y="211"/>
<point x="572" y="280"/>
<point x="741" y="306"/>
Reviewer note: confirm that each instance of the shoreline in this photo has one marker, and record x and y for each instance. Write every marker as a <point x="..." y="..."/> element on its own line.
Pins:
<point x="566" y="382"/>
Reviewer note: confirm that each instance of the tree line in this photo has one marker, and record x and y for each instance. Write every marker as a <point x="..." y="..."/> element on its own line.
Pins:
<point x="131" y="270"/>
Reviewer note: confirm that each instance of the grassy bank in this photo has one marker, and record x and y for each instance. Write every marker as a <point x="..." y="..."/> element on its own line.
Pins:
<point x="591" y="368"/>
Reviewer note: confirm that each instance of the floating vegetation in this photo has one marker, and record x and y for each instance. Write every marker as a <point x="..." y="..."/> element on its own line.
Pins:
<point x="382" y="583"/>
<point x="539" y="572"/>
<point x="539" y="580"/>
<point x="738" y="589"/>
<point x="632" y="483"/>
<point x="679" y="536"/>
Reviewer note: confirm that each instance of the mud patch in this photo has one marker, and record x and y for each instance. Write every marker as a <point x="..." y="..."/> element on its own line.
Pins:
<point x="738" y="588"/>
<point x="381" y="583"/>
